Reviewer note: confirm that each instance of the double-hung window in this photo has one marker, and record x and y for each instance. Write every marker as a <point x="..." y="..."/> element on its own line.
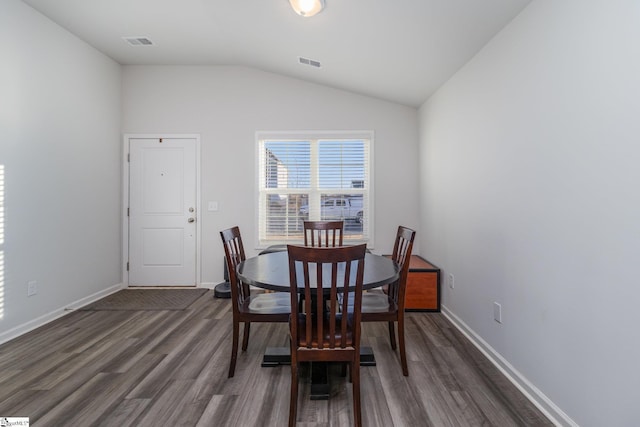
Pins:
<point x="315" y="176"/>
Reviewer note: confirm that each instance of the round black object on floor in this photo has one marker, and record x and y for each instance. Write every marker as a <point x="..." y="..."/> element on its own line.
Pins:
<point x="222" y="290"/>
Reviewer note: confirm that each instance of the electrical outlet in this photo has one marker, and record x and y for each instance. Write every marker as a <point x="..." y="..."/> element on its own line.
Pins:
<point x="497" y="312"/>
<point x="451" y="280"/>
<point x="32" y="288"/>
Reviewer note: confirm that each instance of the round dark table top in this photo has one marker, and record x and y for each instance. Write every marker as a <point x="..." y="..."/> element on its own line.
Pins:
<point x="271" y="271"/>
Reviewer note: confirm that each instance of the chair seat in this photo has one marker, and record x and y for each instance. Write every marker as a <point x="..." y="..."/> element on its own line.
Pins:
<point x="375" y="302"/>
<point x="381" y="290"/>
<point x="277" y="302"/>
<point x="303" y="339"/>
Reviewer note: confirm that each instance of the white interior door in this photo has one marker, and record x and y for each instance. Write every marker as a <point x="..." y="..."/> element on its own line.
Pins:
<point x="162" y="212"/>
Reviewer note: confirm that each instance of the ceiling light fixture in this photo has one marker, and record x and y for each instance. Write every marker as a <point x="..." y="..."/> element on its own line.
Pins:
<point x="307" y="8"/>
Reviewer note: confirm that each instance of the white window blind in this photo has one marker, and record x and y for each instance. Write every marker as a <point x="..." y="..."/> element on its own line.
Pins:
<point x="316" y="178"/>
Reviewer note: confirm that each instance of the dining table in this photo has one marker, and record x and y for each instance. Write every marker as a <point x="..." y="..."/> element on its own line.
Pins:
<point x="270" y="271"/>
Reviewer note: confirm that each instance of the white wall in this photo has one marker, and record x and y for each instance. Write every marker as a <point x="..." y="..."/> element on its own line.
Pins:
<point x="227" y="105"/>
<point x="59" y="146"/>
<point x="530" y="164"/>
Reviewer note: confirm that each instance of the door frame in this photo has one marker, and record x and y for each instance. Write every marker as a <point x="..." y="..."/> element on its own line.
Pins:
<point x="125" y="199"/>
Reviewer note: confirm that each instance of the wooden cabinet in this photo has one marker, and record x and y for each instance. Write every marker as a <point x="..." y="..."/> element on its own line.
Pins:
<point x="423" y="286"/>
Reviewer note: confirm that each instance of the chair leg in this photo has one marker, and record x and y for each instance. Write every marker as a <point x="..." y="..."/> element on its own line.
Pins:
<point x="355" y="377"/>
<point x="234" y="348"/>
<point x="403" y="351"/>
<point x="293" y="402"/>
<point x="245" y="336"/>
<point x="392" y="335"/>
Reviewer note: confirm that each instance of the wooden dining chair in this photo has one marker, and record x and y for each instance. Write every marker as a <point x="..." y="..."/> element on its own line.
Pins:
<point x="319" y="332"/>
<point x="323" y="233"/>
<point x="389" y="306"/>
<point x="247" y="308"/>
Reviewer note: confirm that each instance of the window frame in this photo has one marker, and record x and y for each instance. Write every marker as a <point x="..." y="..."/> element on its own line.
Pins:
<point x="315" y="192"/>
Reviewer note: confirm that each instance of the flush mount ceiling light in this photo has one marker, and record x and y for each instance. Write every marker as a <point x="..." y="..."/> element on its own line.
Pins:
<point x="307" y="8"/>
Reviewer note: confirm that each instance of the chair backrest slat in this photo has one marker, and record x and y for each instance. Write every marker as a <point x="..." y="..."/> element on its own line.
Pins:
<point x="323" y="233"/>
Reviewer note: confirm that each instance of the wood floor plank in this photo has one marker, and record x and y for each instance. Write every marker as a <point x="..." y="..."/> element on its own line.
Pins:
<point x="219" y="411"/>
<point x="45" y="340"/>
<point x="125" y="414"/>
<point x="139" y="368"/>
<point x="175" y="406"/>
<point x="405" y="406"/>
<point x="33" y="375"/>
<point x="374" y="398"/>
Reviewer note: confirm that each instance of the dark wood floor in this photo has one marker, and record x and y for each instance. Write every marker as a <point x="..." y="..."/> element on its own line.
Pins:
<point x="152" y="368"/>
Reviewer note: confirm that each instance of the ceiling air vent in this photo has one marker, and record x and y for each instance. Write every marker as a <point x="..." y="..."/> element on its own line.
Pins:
<point x="310" y="62"/>
<point x="138" y="41"/>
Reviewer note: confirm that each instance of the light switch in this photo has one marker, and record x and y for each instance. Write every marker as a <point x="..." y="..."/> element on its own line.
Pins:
<point x="497" y="312"/>
<point x="213" y="206"/>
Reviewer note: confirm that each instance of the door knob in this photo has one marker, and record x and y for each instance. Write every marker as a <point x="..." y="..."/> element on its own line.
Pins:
<point x="191" y="220"/>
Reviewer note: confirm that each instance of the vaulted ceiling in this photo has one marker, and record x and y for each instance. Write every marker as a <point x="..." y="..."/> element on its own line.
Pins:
<point x="400" y="50"/>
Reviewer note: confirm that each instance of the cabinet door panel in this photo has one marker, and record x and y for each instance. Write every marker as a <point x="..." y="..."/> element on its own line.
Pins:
<point x="422" y="291"/>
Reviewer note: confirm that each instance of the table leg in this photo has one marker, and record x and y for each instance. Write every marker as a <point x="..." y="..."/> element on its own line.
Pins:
<point x="320" y="387"/>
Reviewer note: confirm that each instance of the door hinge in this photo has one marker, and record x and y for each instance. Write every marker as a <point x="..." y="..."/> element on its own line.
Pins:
<point x="127" y="265"/>
<point x="129" y="157"/>
<point x="127" y="211"/>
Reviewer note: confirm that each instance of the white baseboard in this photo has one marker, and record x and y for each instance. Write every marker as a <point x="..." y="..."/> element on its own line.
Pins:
<point x="208" y="285"/>
<point x="55" y="314"/>
<point x="539" y="399"/>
